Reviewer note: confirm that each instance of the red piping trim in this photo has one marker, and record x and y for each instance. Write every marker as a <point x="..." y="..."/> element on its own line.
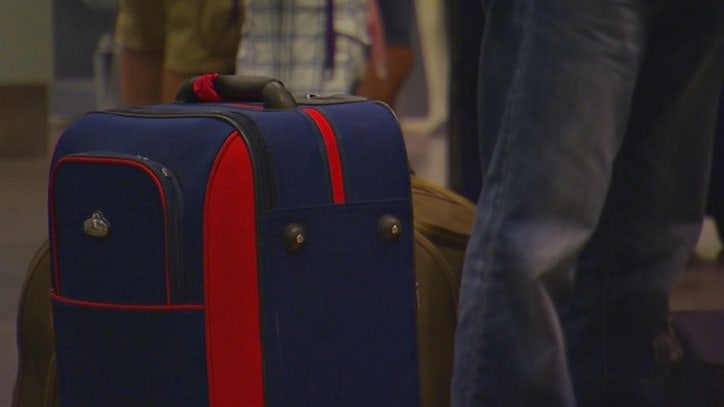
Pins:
<point x="110" y="161"/>
<point x="126" y="307"/>
<point x="231" y="287"/>
<point x="336" y="175"/>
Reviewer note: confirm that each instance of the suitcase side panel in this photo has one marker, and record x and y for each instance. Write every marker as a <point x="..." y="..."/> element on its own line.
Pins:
<point x="372" y="150"/>
<point x="296" y="153"/>
<point x="339" y="314"/>
<point x="348" y="307"/>
<point x="114" y="356"/>
<point x="231" y="299"/>
<point x="367" y="152"/>
<point x="338" y="311"/>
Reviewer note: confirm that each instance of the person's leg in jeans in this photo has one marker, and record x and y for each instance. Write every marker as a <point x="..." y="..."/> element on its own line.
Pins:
<point x="715" y="201"/>
<point x="556" y="80"/>
<point x="653" y="213"/>
<point x="557" y="84"/>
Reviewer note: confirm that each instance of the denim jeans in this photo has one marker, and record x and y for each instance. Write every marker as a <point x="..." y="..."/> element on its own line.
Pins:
<point x="596" y="125"/>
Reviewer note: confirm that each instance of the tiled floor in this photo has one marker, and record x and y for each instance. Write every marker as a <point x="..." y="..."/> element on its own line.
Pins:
<point x="23" y="226"/>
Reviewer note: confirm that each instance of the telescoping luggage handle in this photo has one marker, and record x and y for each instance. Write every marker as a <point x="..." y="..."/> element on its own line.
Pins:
<point x="214" y="88"/>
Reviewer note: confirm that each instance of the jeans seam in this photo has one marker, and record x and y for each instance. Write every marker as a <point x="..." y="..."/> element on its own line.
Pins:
<point x="507" y="126"/>
<point x="607" y="290"/>
<point x="606" y="295"/>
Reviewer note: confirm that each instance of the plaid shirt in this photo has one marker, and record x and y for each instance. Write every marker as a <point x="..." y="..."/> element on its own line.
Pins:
<point x="290" y="41"/>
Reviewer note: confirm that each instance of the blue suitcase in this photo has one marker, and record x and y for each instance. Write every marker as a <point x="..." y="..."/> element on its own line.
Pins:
<point x="234" y="254"/>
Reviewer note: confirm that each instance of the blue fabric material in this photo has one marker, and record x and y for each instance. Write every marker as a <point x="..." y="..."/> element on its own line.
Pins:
<point x="596" y="125"/>
<point x="372" y="150"/>
<point x="120" y="358"/>
<point x="366" y="132"/>
<point x="347" y="299"/>
<point x="297" y="157"/>
<point x="354" y="289"/>
<point x="340" y="313"/>
<point x="129" y="265"/>
<point x="135" y="348"/>
<point x="187" y="145"/>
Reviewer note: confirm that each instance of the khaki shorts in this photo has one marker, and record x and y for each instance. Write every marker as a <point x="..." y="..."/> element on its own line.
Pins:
<point x="195" y="36"/>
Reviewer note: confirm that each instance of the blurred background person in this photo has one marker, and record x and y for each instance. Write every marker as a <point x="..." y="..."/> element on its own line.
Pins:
<point x="162" y="43"/>
<point x="329" y="46"/>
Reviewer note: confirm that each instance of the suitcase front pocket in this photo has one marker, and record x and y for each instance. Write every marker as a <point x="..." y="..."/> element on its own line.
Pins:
<point x="130" y="355"/>
<point x="116" y="231"/>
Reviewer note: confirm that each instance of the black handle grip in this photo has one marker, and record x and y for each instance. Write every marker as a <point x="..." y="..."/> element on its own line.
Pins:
<point x="233" y="88"/>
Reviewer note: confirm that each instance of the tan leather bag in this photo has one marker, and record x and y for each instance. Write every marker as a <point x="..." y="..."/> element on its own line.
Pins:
<point x="443" y="221"/>
<point x="35" y="384"/>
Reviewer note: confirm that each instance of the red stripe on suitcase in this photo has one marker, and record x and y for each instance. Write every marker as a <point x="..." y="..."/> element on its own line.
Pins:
<point x="125" y="307"/>
<point x="231" y="298"/>
<point x="333" y="159"/>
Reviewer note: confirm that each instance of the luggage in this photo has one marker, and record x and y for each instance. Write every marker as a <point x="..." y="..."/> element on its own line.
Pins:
<point x="234" y="254"/>
<point x="445" y="218"/>
<point x="443" y="222"/>
<point x="35" y="383"/>
<point x="698" y="380"/>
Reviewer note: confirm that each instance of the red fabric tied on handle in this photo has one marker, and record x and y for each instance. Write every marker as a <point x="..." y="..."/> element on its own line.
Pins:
<point x="204" y="89"/>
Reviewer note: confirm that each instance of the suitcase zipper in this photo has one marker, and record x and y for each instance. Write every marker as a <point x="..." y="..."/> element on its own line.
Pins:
<point x="334" y="160"/>
<point x="170" y="192"/>
<point x="265" y="189"/>
<point x="174" y="244"/>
